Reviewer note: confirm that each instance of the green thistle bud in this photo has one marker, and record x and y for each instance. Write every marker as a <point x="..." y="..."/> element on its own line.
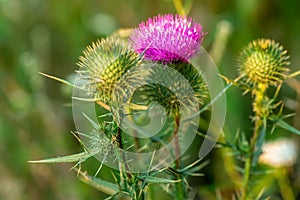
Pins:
<point x="263" y="61"/>
<point x="180" y="87"/>
<point x="103" y="64"/>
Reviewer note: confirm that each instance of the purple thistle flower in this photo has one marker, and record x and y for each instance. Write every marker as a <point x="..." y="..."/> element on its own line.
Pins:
<point x="167" y="38"/>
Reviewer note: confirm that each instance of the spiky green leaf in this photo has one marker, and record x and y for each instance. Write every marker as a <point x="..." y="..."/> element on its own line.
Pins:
<point x="288" y="127"/>
<point x="151" y="179"/>
<point x="65" y="159"/>
<point x="99" y="184"/>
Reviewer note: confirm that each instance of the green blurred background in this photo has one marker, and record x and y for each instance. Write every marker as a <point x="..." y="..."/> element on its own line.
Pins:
<point x="49" y="35"/>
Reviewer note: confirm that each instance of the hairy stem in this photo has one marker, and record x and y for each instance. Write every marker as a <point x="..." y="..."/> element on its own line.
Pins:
<point x="249" y="161"/>
<point x="123" y="165"/>
<point x="260" y="114"/>
<point x="119" y="138"/>
<point x="177" y="147"/>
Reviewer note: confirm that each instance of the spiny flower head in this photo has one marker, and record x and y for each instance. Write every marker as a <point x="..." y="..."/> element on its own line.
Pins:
<point x="167" y="38"/>
<point x="263" y="61"/>
<point x="180" y="88"/>
<point x="103" y="64"/>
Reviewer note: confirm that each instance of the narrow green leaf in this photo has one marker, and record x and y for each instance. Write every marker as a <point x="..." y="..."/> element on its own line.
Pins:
<point x="260" y="194"/>
<point x="99" y="184"/>
<point x="60" y="80"/>
<point x="297" y="73"/>
<point x="206" y="107"/>
<point x="65" y="159"/>
<point x="95" y="125"/>
<point x="195" y="166"/>
<point x="80" y="141"/>
<point x="151" y="179"/>
<point x="259" y="143"/>
<point x="194" y="174"/>
<point x="288" y="127"/>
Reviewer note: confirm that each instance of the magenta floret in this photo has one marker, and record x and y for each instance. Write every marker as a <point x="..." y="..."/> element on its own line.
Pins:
<point x="167" y="38"/>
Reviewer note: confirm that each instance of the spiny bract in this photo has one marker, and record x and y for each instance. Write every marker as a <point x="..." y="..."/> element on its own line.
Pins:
<point x="178" y="88"/>
<point x="263" y="61"/>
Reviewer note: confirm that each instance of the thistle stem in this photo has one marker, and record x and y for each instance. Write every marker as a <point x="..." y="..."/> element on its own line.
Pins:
<point x="284" y="184"/>
<point x="119" y="138"/>
<point x="123" y="166"/>
<point x="179" y="186"/>
<point x="260" y="114"/>
<point x="177" y="147"/>
<point x="249" y="161"/>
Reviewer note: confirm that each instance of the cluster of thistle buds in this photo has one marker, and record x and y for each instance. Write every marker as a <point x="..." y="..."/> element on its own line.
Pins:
<point x="116" y="75"/>
<point x="108" y="65"/>
<point x="113" y="67"/>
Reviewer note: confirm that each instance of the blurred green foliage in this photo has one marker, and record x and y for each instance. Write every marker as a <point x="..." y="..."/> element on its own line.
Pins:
<point x="49" y="36"/>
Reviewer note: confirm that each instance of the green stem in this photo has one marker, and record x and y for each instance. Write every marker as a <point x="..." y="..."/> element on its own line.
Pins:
<point x="259" y="109"/>
<point x="177" y="147"/>
<point x="123" y="166"/>
<point x="179" y="7"/>
<point x="246" y="178"/>
<point x="119" y="138"/>
<point x="179" y="186"/>
<point x="249" y="161"/>
<point x="284" y="184"/>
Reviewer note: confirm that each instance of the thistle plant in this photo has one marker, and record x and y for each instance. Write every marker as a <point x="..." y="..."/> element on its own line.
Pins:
<point x="262" y="64"/>
<point x="172" y="40"/>
<point x="111" y="71"/>
<point x="125" y="78"/>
